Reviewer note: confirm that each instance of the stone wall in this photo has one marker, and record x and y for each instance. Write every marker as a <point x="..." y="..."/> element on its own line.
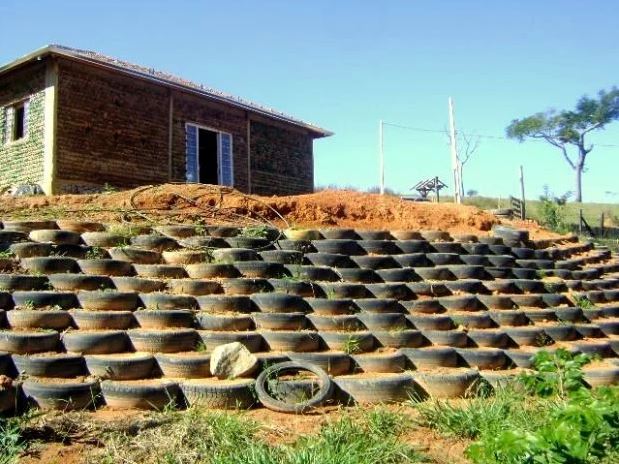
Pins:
<point x="21" y="161"/>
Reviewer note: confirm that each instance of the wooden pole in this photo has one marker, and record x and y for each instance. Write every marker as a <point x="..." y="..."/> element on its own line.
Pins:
<point x="602" y="224"/>
<point x="381" y="155"/>
<point x="523" y="213"/>
<point x="580" y="222"/>
<point x="454" y="152"/>
<point x="437" y="189"/>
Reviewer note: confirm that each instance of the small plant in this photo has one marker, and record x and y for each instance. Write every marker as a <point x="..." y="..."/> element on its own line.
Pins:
<point x="6" y="254"/>
<point x="352" y="345"/>
<point x="108" y="188"/>
<point x="28" y="305"/>
<point x="95" y="253"/>
<point x="255" y="231"/>
<point x="583" y="302"/>
<point x="201" y="347"/>
<point x="552" y="212"/>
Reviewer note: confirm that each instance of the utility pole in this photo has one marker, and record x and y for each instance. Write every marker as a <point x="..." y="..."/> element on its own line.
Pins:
<point x="455" y="162"/>
<point x="381" y="154"/>
<point x="523" y="213"/>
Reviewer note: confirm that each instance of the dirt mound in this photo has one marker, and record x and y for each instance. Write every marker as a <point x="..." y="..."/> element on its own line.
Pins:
<point x="213" y="204"/>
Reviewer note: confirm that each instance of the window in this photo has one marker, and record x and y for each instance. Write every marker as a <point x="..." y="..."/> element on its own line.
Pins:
<point x="16" y="122"/>
<point x="19" y="122"/>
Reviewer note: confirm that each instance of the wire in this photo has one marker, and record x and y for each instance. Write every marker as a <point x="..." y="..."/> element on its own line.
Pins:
<point x="473" y="134"/>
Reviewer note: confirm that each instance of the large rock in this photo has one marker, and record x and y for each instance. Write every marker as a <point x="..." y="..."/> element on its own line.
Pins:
<point x="232" y="360"/>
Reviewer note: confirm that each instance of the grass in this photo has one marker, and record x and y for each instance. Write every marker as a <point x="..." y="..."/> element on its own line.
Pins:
<point x="11" y="441"/>
<point x="202" y="437"/>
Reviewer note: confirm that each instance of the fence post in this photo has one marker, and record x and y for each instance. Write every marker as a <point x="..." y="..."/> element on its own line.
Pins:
<point x="602" y="225"/>
<point x="523" y="214"/>
<point x="580" y="222"/>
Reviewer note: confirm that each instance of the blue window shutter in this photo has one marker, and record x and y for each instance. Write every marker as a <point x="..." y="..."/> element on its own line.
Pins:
<point x="191" y="158"/>
<point x="26" y="112"/>
<point x="8" y="124"/>
<point x="226" y="168"/>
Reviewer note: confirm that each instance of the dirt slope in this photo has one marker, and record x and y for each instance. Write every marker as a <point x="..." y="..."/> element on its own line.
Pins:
<point x="183" y="203"/>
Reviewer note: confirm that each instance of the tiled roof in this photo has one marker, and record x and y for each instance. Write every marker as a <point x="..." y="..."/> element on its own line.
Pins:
<point x="169" y="79"/>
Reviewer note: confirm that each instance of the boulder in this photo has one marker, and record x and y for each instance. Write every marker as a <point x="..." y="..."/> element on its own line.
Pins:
<point x="232" y="360"/>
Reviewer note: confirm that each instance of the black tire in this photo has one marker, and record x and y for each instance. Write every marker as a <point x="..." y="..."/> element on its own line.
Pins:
<point x="183" y="257"/>
<point x="212" y="270"/>
<point x="161" y="301"/>
<point x="279" y="303"/>
<point x="372" y="234"/>
<point x="12" y="282"/>
<point x="102" y="320"/>
<point x="601" y="376"/>
<point x="430" y="321"/>
<point x="339" y="234"/>
<point x="561" y="332"/>
<point x="526" y="336"/>
<point x="219" y="394"/>
<point x="154" y="242"/>
<point x="102" y="239"/>
<point x="313" y="273"/>
<point x="41" y="299"/>
<point x="380" y="362"/>
<point x="509" y="317"/>
<point x="184" y="365"/>
<point x="528" y="301"/>
<point x="294" y="341"/>
<point x="356" y="275"/>
<point x="38" y="319"/>
<point x="465" y="286"/>
<point x="508" y="233"/>
<point x="330" y="362"/>
<point x="28" y="342"/>
<point x="293" y="287"/>
<point x="529" y="285"/>
<point x="107" y="300"/>
<point x="609" y="327"/>
<point x="303" y="246"/>
<point x="73" y="282"/>
<point x="137" y="284"/>
<point x="475" y="260"/>
<point x="569" y="314"/>
<point x="161" y="271"/>
<point x="164" y="318"/>
<point x="380" y="321"/>
<point x="431" y="357"/>
<point x="224" y="303"/>
<point x="331" y="306"/>
<point x="352" y="342"/>
<point x="95" y="342"/>
<point x="249" y="243"/>
<point x="223" y="231"/>
<point x="194" y="287"/>
<point x="432" y="289"/>
<point x="439" y="259"/>
<point x="302" y="234"/>
<point x="473" y="320"/>
<point x="339" y="246"/>
<point x="176" y="231"/>
<point x="447" y="247"/>
<point x="156" y="394"/>
<point x="483" y="358"/>
<point x="135" y="255"/>
<point x="246" y="286"/>
<point x="424" y="306"/>
<point x="379" y="247"/>
<point x="379" y="305"/>
<point x="434" y="273"/>
<point x="476" y="248"/>
<point x="495" y="301"/>
<point x="49" y="265"/>
<point x="489" y="338"/>
<point x="388" y="388"/>
<point x="323" y="394"/>
<point x="523" y="253"/>
<point x="407" y="338"/>
<point x="541" y="315"/>
<point x="398" y="275"/>
<point x="61" y="365"/>
<point x="122" y="366"/>
<point x="282" y="256"/>
<point x="500" y="272"/>
<point x="402" y="234"/>
<point x="412" y="260"/>
<point x="466" y="271"/>
<point x="521" y="358"/>
<point x="279" y="321"/>
<point x="588" y="330"/>
<point x="341" y="290"/>
<point x="501" y="286"/>
<point x="453" y="338"/>
<point x="501" y="260"/>
<point x="202" y="243"/>
<point x="106" y="267"/>
<point x="62" y="396"/>
<point x="398" y="291"/>
<point x="413" y="246"/>
<point x="336" y="260"/>
<point x="260" y="269"/>
<point x="224" y="322"/>
<point x="30" y="250"/>
<point x="163" y="341"/>
<point x="253" y="341"/>
<point x="460" y="303"/>
<point x="524" y="273"/>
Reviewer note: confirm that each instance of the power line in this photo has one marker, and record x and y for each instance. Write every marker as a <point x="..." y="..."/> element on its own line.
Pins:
<point x="483" y="136"/>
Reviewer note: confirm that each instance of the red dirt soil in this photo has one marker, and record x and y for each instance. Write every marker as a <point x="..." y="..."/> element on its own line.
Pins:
<point x="214" y="204"/>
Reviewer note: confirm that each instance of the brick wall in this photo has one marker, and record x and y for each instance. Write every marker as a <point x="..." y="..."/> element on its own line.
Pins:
<point x="110" y="129"/>
<point x="21" y="161"/>
<point x="282" y="161"/>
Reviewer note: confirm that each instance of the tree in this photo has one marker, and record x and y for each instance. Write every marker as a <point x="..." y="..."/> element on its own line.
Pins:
<point x="467" y="145"/>
<point x="566" y="130"/>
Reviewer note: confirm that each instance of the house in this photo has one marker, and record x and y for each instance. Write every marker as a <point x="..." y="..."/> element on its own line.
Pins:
<point x="74" y="120"/>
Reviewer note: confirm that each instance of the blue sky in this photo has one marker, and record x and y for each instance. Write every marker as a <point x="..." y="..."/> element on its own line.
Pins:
<point x="346" y="64"/>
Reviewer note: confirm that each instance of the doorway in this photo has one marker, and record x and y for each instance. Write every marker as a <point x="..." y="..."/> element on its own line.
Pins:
<point x="208" y="157"/>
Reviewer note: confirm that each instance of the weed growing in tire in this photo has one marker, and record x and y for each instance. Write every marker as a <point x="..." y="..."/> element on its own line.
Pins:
<point x="11" y="442"/>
